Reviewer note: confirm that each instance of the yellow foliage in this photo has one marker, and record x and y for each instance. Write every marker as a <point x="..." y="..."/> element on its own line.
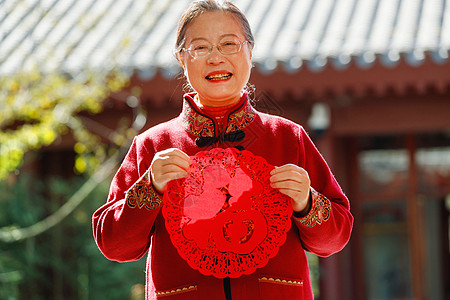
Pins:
<point x="80" y="165"/>
<point x="37" y="108"/>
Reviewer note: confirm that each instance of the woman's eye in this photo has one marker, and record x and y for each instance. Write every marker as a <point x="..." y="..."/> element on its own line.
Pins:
<point x="229" y="43"/>
<point x="201" y="47"/>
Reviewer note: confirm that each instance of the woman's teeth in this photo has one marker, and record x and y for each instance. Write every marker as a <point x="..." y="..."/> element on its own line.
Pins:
<point x="219" y="76"/>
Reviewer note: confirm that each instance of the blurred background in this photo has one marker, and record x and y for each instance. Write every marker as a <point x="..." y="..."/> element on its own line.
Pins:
<point x="368" y="79"/>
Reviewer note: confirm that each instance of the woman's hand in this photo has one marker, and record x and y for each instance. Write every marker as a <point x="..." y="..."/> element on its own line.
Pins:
<point x="293" y="181"/>
<point x="168" y="165"/>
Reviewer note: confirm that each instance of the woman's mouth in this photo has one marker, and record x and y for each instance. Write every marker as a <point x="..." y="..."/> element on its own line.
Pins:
<point x="219" y="76"/>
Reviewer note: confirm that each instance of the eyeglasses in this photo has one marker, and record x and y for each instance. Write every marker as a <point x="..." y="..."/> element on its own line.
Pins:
<point x="205" y="49"/>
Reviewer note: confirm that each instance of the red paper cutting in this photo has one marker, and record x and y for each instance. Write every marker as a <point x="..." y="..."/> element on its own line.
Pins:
<point x="225" y="219"/>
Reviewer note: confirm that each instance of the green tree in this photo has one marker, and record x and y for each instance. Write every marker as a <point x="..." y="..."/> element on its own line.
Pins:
<point x="61" y="263"/>
<point x="46" y="245"/>
<point x="37" y="108"/>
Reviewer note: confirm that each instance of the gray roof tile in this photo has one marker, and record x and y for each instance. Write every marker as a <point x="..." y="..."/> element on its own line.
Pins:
<point x="139" y="36"/>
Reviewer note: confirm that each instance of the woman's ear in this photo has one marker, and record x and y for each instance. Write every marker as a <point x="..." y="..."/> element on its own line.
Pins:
<point x="250" y="55"/>
<point x="180" y="59"/>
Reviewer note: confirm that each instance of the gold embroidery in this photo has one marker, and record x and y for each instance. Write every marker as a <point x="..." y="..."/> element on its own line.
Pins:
<point x="195" y="123"/>
<point x="200" y="125"/>
<point x="241" y="119"/>
<point x="177" y="291"/>
<point x="142" y="194"/>
<point x="320" y="211"/>
<point x="281" y="281"/>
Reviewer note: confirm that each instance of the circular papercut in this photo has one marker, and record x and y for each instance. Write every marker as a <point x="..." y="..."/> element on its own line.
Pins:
<point x="224" y="218"/>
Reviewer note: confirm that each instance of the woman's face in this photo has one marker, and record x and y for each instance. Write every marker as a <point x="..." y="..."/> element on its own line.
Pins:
<point x="218" y="79"/>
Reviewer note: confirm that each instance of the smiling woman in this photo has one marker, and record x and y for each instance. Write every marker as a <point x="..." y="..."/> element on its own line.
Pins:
<point x="226" y="199"/>
<point x="216" y="58"/>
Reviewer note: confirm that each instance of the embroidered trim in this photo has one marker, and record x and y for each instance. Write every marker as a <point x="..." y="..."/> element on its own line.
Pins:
<point x="196" y="123"/>
<point x="142" y="194"/>
<point x="200" y="125"/>
<point x="241" y="118"/>
<point x="320" y="211"/>
<point x="177" y="291"/>
<point x="281" y="281"/>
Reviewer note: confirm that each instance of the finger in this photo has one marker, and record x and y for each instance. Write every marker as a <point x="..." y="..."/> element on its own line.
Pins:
<point x="173" y="175"/>
<point x="291" y="193"/>
<point x="289" y="176"/>
<point x="177" y="161"/>
<point x="167" y="172"/>
<point x="170" y="168"/>
<point x="290" y="180"/>
<point x="174" y="152"/>
<point x="286" y="167"/>
<point x="160" y="180"/>
<point x="299" y="198"/>
<point x="171" y="156"/>
<point x="290" y="172"/>
<point x="290" y="185"/>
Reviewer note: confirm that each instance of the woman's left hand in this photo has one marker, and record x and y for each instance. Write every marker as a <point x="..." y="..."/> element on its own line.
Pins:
<point x="294" y="182"/>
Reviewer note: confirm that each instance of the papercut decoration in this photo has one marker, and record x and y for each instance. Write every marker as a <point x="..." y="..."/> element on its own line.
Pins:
<point x="225" y="219"/>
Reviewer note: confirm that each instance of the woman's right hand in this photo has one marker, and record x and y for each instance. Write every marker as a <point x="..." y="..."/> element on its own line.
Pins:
<point x="168" y="165"/>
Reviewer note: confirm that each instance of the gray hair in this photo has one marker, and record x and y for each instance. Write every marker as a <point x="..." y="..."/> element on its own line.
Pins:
<point x="198" y="7"/>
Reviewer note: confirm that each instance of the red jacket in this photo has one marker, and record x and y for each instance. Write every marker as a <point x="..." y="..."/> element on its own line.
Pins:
<point x="131" y="222"/>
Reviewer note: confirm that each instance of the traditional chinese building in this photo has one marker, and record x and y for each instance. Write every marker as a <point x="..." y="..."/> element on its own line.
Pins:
<point x="368" y="79"/>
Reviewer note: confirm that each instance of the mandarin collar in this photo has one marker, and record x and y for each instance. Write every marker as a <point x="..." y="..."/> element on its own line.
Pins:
<point x="199" y="123"/>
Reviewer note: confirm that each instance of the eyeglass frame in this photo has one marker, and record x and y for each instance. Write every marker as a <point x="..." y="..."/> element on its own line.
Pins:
<point x="219" y="48"/>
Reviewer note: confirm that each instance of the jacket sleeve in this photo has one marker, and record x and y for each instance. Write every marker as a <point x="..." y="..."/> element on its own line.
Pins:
<point x="326" y="229"/>
<point x="122" y="226"/>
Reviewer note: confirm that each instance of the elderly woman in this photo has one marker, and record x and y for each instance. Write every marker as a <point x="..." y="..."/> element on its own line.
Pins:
<point x="214" y="47"/>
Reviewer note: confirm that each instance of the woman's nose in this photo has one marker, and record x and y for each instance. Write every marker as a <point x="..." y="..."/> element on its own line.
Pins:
<point x="215" y="56"/>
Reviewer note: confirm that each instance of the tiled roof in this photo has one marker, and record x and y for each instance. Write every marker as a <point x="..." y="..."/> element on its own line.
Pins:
<point x="139" y="35"/>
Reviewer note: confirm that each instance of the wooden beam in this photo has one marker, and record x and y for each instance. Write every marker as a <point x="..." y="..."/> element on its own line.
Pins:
<point x="415" y="225"/>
